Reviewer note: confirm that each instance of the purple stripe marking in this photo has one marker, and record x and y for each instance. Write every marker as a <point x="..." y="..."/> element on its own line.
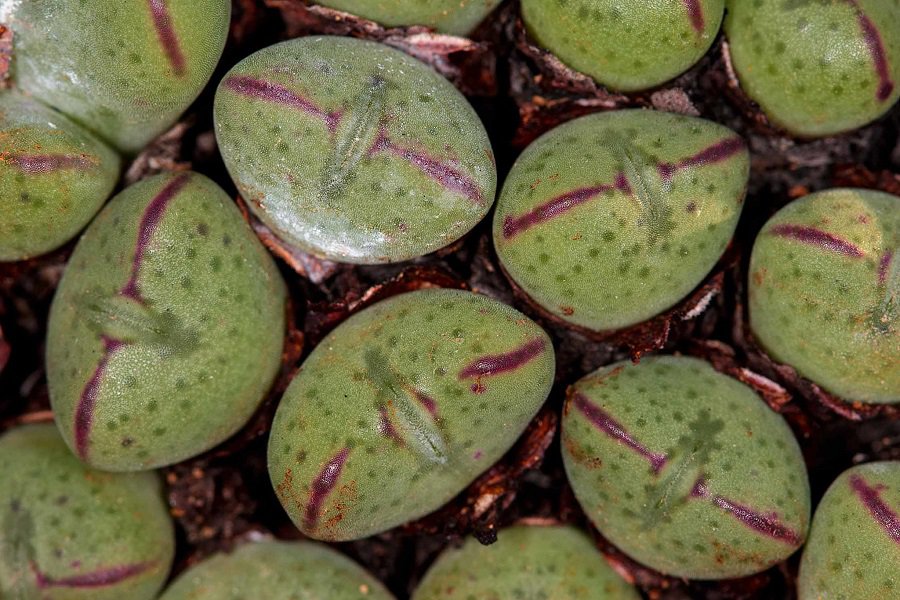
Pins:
<point x="323" y="485"/>
<point x="446" y="175"/>
<point x="385" y="427"/>
<point x="695" y="12"/>
<point x="884" y="266"/>
<point x="715" y="153"/>
<point x="84" y="412"/>
<point x="768" y="525"/>
<point x="38" y="164"/>
<point x="880" y="511"/>
<point x="608" y="425"/>
<point x="149" y="221"/>
<point x="279" y="94"/>
<point x="99" y="578"/>
<point x="494" y="364"/>
<point x="876" y="48"/>
<point x="165" y="31"/>
<point x="513" y="226"/>
<point x="427" y="402"/>
<point x="817" y="237"/>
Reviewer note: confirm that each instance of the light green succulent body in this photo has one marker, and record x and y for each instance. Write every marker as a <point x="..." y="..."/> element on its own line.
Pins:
<point x="613" y="218"/>
<point x="684" y="469"/>
<point x="401" y="407"/>
<point x="54" y="176"/>
<point x="166" y="330"/>
<point x="353" y="151"/>
<point x="68" y="532"/>
<point x="824" y="291"/>
<point x="277" y="571"/>
<point x="854" y="544"/>
<point x="626" y="46"/>
<point x="457" y="17"/>
<point x="817" y="67"/>
<point x="125" y="69"/>
<point x="557" y="562"/>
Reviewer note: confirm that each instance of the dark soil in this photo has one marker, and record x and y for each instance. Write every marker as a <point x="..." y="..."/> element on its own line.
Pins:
<point x="225" y="495"/>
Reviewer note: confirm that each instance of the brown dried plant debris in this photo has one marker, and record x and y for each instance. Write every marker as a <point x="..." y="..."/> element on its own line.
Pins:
<point x="469" y="64"/>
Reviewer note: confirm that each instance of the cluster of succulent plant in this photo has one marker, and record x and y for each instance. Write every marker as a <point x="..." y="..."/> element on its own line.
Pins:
<point x="853" y="543"/>
<point x="684" y="469"/>
<point x="68" y="532"/>
<point x="605" y="222"/>
<point x="817" y="68"/>
<point x="280" y="570"/>
<point x="121" y="72"/>
<point x="527" y="561"/>
<point x="824" y="291"/>
<point x="353" y="151"/>
<point x="166" y="330"/>
<point x="457" y="17"/>
<point x="401" y="407"/>
<point x="610" y="41"/>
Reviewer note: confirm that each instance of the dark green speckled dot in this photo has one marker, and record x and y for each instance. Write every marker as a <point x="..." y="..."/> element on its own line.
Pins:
<point x="817" y="68"/>
<point x="284" y="570"/>
<point x="626" y="46"/>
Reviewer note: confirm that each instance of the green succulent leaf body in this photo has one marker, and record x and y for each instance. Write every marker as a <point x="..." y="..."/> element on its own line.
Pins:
<point x="277" y="571"/>
<point x="68" y="532"/>
<point x="456" y="17"/>
<point x="353" y="151"/>
<point x="824" y="291"/>
<point x="401" y="407"/>
<point x="557" y="562"/>
<point x="610" y="219"/>
<point x="54" y="176"/>
<point x="627" y="46"/>
<point x="685" y="469"/>
<point x="126" y="69"/>
<point x="167" y="327"/>
<point x="817" y="67"/>
<point x="854" y="543"/>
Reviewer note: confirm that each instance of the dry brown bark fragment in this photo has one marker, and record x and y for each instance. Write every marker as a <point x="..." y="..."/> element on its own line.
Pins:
<point x="469" y="64"/>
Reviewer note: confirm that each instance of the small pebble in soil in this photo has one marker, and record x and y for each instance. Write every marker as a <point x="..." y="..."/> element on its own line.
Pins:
<point x="684" y="469"/>
<point x="817" y="68"/>
<point x="277" y="571"/>
<point x="353" y="151"/>
<point x="54" y="176"/>
<point x="401" y="407"/>
<point x="854" y="544"/>
<point x="527" y="561"/>
<point x="611" y="219"/>
<point x="824" y="291"/>
<point x="456" y="17"/>
<point x="126" y="69"/>
<point x="167" y="328"/>
<point x="626" y="46"/>
<point x="68" y="532"/>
